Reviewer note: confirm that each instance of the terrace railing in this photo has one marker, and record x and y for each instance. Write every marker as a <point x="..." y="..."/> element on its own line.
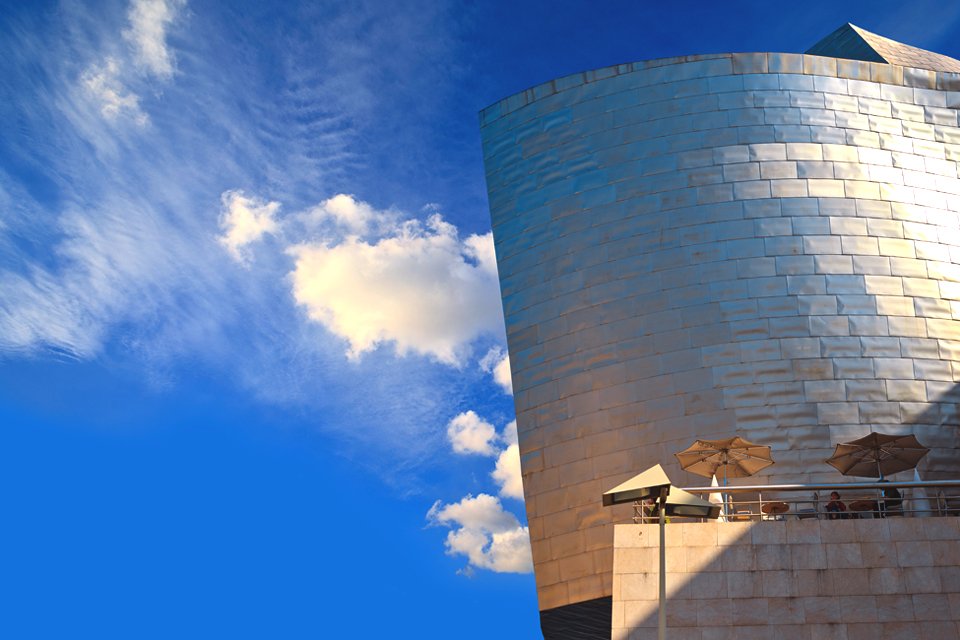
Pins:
<point x="859" y="500"/>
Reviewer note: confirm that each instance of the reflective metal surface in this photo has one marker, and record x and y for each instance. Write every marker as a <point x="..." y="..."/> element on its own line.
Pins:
<point x="850" y="41"/>
<point x="765" y="245"/>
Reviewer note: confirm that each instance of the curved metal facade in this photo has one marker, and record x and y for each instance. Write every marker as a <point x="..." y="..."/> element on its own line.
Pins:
<point x="764" y="245"/>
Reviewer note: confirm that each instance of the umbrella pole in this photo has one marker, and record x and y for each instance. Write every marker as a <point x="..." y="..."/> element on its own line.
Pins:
<point x="881" y="506"/>
<point x="726" y="469"/>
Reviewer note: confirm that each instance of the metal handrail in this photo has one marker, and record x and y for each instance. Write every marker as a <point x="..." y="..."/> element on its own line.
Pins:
<point x="840" y="486"/>
<point x="941" y="502"/>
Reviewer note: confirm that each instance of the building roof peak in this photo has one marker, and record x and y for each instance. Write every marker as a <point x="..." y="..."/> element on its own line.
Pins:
<point x="854" y="43"/>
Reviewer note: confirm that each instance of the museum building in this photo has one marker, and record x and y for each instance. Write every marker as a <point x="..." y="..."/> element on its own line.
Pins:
<point x="764" y="245"/>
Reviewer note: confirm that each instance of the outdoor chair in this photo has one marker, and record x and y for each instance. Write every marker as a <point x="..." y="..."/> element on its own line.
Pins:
<point x="741" y="515"/>
<point x="809" y="510"/>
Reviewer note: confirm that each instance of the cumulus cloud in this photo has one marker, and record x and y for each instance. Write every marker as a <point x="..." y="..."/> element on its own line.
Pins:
<point x="244" y="220"/>
<point x="507" y="471"/>
<point x="490" y="537"/>
<point x="497" y="363"/>
<point x="483" y="531"/>
<point x="468" y="433"/>
<point x="509" y="434"/>
<point x="147" y="34"/>
<point x="350" y="215"/>
<point x="417" y="286"/>
<point x="104" y="84"/>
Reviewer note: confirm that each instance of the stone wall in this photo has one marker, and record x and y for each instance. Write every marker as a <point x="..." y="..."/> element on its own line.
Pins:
<point x="797" y="579"/>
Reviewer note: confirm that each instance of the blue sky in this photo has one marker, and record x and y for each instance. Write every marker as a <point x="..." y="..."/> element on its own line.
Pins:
<point x="252" y="375"/>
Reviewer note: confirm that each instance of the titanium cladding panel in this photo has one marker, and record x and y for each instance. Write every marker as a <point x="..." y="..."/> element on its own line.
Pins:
<point x="765" y="245"/>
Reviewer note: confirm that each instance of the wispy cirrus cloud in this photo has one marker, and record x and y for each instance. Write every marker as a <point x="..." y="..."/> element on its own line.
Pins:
<point x="178" y="200"/>
<point x="119" y="241"/>
<point x="107" y="81"/>
<point x="147" y="34"/>
<point x="104" y="83"/>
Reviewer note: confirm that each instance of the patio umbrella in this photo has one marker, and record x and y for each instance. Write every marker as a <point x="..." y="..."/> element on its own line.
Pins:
<point x="877" y="454"/>
<point x="730" y="458"/>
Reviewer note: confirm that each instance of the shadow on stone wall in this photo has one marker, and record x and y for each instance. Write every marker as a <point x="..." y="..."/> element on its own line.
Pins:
<point x="936" y="426"/>
<point x="843" y="579"/>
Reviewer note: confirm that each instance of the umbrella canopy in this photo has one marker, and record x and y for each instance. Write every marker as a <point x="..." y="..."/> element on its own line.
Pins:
<point x="730" y="458"/>
<point x="877" y="454"/>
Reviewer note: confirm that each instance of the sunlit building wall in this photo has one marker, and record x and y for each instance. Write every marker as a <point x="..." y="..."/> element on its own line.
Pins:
<point x="765" y="245"/>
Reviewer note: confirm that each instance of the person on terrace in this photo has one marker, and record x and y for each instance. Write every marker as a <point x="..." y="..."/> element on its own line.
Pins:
<point x="835" y="508"/>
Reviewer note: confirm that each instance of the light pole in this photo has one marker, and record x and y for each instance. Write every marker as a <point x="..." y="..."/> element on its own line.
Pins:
<point x="671" y="502"/>
<point x="662" y="609"/>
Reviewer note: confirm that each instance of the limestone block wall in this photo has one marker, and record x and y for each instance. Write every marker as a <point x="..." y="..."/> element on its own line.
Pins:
<point x="802" y="579"/>
<point x="757" y="244"/>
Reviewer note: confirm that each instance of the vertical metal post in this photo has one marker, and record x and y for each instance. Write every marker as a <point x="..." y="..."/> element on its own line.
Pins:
<point x="662" y="621"/>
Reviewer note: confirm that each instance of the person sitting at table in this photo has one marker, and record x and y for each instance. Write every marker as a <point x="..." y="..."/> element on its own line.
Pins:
<point x="892" y="501"/>
<point x="650" y="510"/>
<point x="835" y="508"/>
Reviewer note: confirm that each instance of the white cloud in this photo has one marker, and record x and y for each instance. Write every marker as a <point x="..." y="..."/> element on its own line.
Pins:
<point x="244" y="221"/>
<point x="483" y="531"/>
<point x="353" y="216"/>
<point x="468" y="433"/>
<point x="36" y="311"/>
<point x="147" y="34"/>
<point x="481" y="249"/>
<point x="108" y="81"/>
<point x="509" y="434"/>
<point x="497" y="363"/>
<point x="507" y="473"/>
<point x="119" y="258"/>
<point x="118" y="261"/>
<point x="104" y="84"/>
<point x="418" y="287"/>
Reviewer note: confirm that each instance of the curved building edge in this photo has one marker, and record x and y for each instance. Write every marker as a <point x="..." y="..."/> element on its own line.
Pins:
<point x="569" y="453"/>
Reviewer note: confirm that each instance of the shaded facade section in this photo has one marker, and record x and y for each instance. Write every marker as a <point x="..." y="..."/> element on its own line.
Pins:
<point x="587" y="620"/>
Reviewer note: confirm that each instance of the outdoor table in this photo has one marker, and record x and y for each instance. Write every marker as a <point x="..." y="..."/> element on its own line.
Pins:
<point x="862" y="506"/>
<point x="775" y="509"/>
